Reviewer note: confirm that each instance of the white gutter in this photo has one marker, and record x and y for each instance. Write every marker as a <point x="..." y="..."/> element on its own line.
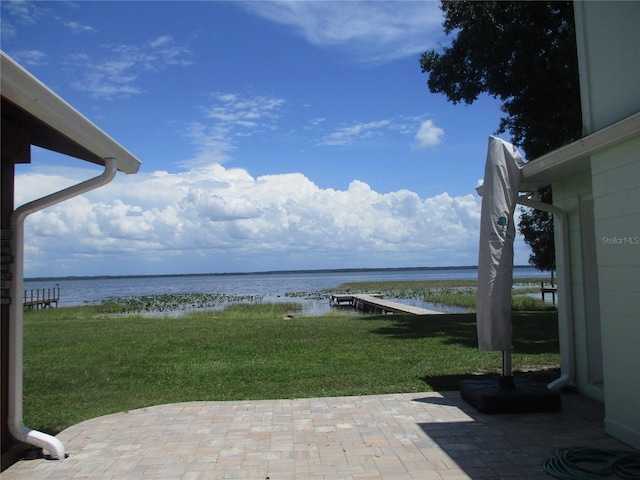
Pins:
<point x="15" y="421"/>
<point x="573" y="159"/>
<point x="31" y="95"/>
<point x="565" y="310"/>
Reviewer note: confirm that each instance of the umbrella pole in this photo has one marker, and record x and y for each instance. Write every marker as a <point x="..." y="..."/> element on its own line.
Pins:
<point x="506" y="380"/>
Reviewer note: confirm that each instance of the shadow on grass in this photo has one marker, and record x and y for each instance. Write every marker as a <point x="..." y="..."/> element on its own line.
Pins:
<point x="444" y="383"/>
<point x="533" y="332"/>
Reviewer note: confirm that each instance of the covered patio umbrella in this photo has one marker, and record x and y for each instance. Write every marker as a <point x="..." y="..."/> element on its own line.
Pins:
<point x="497" y="232"/>
<point x="495" y="280"/>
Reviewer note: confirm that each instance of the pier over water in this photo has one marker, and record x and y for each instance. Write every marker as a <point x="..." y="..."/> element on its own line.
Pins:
<point x="38" y="298"/>
<point x="376" y="303"/>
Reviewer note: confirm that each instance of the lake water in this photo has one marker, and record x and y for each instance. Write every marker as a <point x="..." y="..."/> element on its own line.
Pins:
<point x="272" y="286"/>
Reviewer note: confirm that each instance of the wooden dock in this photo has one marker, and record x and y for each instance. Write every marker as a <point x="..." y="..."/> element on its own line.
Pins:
<point x="376" y="303"/>
<point x="41" y="298"/>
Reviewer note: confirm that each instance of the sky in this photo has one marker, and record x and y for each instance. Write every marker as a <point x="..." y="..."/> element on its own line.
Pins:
<point x="272" y="135"/>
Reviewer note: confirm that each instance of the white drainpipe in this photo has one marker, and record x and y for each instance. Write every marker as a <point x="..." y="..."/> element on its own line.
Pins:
<point x="565" y="309"/>
<point x="16" y="427"/>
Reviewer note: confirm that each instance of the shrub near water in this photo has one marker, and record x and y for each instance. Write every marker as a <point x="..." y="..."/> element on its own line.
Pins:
<point x="82" y="362"/>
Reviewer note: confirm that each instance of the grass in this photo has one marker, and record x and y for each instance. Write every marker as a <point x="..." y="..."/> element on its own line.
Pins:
<point x="83" y="362"/>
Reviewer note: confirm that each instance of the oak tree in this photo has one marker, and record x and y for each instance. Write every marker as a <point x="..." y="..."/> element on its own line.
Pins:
<point x="524" y="54"/>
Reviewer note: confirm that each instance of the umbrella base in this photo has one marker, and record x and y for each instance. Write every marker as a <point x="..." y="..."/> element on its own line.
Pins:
<point x="509" y="395"/>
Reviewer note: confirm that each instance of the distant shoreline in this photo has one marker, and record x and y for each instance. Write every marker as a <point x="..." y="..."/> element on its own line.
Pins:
<point x="268" y="272"/>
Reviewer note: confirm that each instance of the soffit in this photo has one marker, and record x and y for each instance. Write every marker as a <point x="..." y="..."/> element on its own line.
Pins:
<point x="50" y="122"/>
<point x="574" y="158"/>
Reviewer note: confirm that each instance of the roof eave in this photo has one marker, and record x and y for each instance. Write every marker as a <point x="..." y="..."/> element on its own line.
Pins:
<point x="573" y="159"/>
<point x="33" y="97"/>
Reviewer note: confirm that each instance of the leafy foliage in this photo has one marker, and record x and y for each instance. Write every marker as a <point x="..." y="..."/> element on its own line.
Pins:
<point x="536" y="227"/>
<point x="523" y="53"/>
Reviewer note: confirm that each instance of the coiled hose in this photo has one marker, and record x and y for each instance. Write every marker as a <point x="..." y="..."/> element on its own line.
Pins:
<point x="564" y="464"/>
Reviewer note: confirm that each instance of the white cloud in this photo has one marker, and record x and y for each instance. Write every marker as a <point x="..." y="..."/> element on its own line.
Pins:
<point x="23" y="11"/>
<point x="238" y="222"/>
<point x="78" y="27"/>
<point x="371" y="32"/>
<point x="212" y="141"/>
<point x="232" y="110"/>
<point x="227" y="118"/>
<point x="115" y="75"/>
<point x="29" y="57"/>
<point x="162" y="41"/>
<point x="314" y="123"/>
<point x="346" y="135"/>
<point x="429" y="135"/>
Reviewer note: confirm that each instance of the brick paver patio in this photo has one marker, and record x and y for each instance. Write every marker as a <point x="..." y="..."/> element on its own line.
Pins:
<point x="400" y="436"/>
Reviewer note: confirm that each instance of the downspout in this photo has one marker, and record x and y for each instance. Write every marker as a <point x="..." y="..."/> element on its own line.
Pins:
<point x="15" y="421"/>
<point x="565" y="306"/>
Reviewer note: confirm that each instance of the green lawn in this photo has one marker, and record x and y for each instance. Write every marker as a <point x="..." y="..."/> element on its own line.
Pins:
<point x="80" y="362"/>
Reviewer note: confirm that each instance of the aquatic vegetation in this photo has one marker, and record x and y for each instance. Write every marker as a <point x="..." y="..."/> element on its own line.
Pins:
<point x="438" y="294"/>
<point x="175" y="302"/>
<point x="321" y="295"/>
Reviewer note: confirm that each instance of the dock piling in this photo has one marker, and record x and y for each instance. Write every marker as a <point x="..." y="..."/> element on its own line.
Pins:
<point x="43" y="298"/>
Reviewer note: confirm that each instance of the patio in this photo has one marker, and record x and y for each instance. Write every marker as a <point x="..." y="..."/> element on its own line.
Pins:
<point x="433" y="435"/>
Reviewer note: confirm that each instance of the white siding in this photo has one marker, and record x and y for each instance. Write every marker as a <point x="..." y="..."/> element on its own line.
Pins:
<point x="608" y="40"/>
<point x="609" y="58"/>
<point x="567" y="195"/>
<point x="616" y="191"/>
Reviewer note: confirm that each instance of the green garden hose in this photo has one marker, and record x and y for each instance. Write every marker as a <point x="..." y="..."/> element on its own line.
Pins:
<point x="569" y="463"/>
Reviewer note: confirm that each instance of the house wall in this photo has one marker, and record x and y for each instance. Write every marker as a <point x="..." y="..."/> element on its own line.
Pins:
<point x="569" y="195"/>
<point x="616" y="191"/>
<point x="608" y="56"/>
<point x="607" y="39"/>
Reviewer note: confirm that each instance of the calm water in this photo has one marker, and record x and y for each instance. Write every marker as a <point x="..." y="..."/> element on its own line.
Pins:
<point x="268" y="286"/>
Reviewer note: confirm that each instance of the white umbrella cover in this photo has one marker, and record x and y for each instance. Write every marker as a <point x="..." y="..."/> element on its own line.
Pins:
<point x="495" y="263"/>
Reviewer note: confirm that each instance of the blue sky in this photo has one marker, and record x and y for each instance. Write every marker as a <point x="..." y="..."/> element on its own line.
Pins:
<point x="272" y="135"/>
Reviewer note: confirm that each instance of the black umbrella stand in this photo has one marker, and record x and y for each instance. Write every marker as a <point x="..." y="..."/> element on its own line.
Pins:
<point x="508" y="394"/>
